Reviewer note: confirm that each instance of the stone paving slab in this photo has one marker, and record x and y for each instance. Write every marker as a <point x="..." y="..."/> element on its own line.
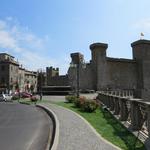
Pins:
<point x="75" y="133"/>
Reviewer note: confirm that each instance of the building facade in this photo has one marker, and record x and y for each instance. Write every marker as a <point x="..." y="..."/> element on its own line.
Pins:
<point x="13" y="77"/>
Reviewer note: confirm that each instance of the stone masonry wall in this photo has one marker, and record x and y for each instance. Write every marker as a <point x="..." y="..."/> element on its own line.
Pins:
<point x="85" y="77"/>
<point x="113" y="73"/>
<point x="121" y="74"/>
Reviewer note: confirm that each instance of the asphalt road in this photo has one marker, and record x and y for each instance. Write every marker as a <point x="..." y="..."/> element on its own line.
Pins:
<point x="23" y="127"/>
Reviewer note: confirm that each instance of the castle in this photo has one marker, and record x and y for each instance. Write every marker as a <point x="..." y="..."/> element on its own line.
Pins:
<point x="103" y="73"/>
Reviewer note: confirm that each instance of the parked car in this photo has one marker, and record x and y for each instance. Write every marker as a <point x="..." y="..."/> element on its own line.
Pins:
<point x="25" y="95"/>
<point x="2" y="97"/>
<point x="8" y="97"/>
<point x="5" y="97"/>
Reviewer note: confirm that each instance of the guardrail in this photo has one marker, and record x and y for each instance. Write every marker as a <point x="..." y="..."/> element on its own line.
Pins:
<point x="135" y="112"/>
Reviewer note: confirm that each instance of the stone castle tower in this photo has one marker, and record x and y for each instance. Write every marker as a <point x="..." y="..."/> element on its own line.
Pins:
<point x="98" y="64"/>
<point x="141" y="54"/>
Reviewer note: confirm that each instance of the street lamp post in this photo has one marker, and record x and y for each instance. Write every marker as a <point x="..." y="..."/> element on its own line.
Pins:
<point x="78" y="83"/>
<point x="76" y="65"/>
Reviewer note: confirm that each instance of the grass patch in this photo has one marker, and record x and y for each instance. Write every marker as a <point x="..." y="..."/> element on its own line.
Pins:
<point x="108" y="127"/>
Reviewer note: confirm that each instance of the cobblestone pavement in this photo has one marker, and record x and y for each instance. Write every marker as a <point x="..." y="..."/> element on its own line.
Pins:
<point x="75" y="134"/>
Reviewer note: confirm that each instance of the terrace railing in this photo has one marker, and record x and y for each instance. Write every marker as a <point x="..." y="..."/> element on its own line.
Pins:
<point x="135" y="112"/>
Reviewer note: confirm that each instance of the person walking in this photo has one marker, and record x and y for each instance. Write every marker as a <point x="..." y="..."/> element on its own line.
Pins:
<point x="41" y="96"/>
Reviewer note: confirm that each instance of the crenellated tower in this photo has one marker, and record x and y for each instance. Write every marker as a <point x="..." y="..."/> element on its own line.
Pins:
<point x="141" y="54"/>
<point x="98" y="52"/>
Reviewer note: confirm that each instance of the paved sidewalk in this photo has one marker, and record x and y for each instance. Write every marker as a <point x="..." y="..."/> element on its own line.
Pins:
<point x="75" y="133"/>
<point x="52" y="98"/>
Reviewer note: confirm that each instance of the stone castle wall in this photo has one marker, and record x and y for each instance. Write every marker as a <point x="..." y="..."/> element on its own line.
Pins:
<point x="85" y="74"/>
<point x="58" y="81"/>
<point x="54" y="79"/>
<point x="112" y="73"/>
<point x="120" y="74"/>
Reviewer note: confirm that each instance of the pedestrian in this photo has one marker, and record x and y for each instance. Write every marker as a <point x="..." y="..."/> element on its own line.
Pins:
<point x="40" y="95"/>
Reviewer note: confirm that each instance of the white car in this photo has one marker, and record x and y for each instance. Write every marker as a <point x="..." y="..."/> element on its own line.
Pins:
<point x="5" y="97"/>
<point x="8" y="97"/>
<point x="2" y="97"/>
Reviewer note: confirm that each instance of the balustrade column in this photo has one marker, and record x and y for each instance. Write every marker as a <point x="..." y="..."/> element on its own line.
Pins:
<point x="123" y="109"/>
<point x="117" y="107"/>
<point x="135" y="114"/>
<point x="102" y="98"/>
<point x="112" y="103"/>
<point x="109" y="101"/>
<point x="105" y="99"/>
<point x="148" y="120"/>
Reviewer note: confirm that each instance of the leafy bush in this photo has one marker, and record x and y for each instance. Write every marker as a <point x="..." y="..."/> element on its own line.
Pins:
<point x="89" y="105"/>
<point x="79" y="101"/>
<point x="34" y="99"/>
<point x="70" y="98"/>
<point x="86" y="105"/>
<point x="15" y="97"/>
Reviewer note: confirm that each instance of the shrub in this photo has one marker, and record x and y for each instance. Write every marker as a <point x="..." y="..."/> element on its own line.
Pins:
<point x="70" y="98"/>
<point x="34" y="99"/>
<point x="79" y="101"/>
<point x="89" y="105"/>
<point x="15" y="97"/>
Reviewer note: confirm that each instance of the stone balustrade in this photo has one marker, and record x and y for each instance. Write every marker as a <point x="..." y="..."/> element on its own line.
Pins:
<point x="121" y="93"/>
<point x="135" y="112"/>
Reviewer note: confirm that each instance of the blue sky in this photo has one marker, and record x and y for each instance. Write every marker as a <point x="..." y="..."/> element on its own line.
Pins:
<point x="42" y="33"/>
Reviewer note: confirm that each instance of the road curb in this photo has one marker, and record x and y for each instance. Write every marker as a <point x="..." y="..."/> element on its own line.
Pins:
<point x="52" y="145"/>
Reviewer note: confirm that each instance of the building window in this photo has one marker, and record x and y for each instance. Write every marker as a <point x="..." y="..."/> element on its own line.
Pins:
<point x="11" y="68"/>
<point x="2" y="80"/>
<point x="3" y="68"/>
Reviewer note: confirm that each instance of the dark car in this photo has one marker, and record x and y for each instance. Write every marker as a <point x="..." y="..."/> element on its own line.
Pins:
<point x="25" y="95"/>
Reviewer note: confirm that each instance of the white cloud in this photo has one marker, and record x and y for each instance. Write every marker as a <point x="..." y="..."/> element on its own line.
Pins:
<point x="2" y="24"/>
<point x="9" y="18"/>
<point x="35" y="60"/>
<point x="143" y="24"/>
<point x="19" y="41"/>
